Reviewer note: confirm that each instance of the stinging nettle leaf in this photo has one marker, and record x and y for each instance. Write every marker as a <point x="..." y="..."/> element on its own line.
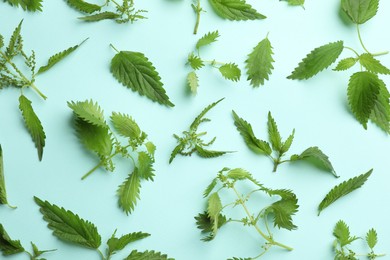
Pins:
<point x="238" y="174"/>
<point x="3" y="191"/>
<point x="343" y="189"/>
<point x="7" y="245"/>
<point x="372" y="65"/>
<point x="195" y="61"/>
<point x="273" y="133"/>
<point x="259" y="63"/>
<point x="287" y="144"/>
<point x="207" y="39"/>
<point x="136" y="72"/>
<point x="147" y="255"/>
<point x="198" y="119"/>
<point x="33" y="124"/>
<point x="230" y="71"/>
<point x="296" y="2"/>
<point x="145" y="166"/>
<point x="83" y="6"/>
<point x="235" y="10"/>
<point x="283" y="209"/>
<point x="360" y="11"/>
<point x="89" y="111"/>
<point x="380" y="114"/>
<point x="371" y="238"/>
<point x="206" y="224"/>
<point x="117" y="244"/>
<point x="15" y="43"/>
<point x="210" y="188"/>
<point x="125" y="125"/>
<point x="128" y="192"/>
<point x="68" y="226"/>
<point x="193" y="81"/>
<point x="345" y="64"/>
<point x="341" y="232"/>
<point x="29" y="5"/>
<point x="100" y="16"/>
<point x="317" y="60"/>
<point x="209" y="153"/>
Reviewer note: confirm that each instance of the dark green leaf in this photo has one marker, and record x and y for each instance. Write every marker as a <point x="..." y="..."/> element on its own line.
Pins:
<point x="273" y="133"/>
<point x="117" y="244"/>
<point x="360" y="11"/>
<point x="27" y="5"/>
<point x="128" y="192"/>
<point x="147" y="255"/>
<point x="235" y="10"/>
<point x="100" y="16"/>
<point x="179" y="148"/>
<point x="198" y="119"/>
<point x="7" y="245"/>
<point x="3" y="191"/>
<point x="283" y="209"/>
<point x="287" y="144"/>
<point x="380" y="114"/>
<point x="83" y="6"/>
<point x="206" y="224"/>
<point x="15" y="43"/>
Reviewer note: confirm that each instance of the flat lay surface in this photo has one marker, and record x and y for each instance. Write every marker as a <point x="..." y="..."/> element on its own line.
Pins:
<point x="316" y="108"/>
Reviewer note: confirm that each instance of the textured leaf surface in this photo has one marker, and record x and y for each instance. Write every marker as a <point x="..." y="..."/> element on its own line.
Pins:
<point x="371" y="238"/>
<point x="341" y="232"/>
<point x="100" y="16"/>
<point x="193" y="82"/>
<point x="343" y="189"/>
<point x="287" y="144"/>
<point x="273" y="133"/>
<point x="89" y="111"/>
<point x="296" y="2"/>
<point x="259" y="63"/>
<point x="3" y="191"/>
<point x="360" y="11"/>
<point x="373" y="65"/>
<point x="198" y="119"/>
<point x="83" y="6"/>
<point x="147" y="255"/>
<point x="206" y="224"/>
<point x="128" y="192"/>
<point x="33" y="124"/>
<point x="7" y="245"/>
<point x="207" y="39"/>
<point x="363" y="92"/>
<point x="230" y="71"/>
<point x="125" y="125"/>
<point x="208" y="153"/>
<point x="195" y="61"/>
<point x="27" y="5"/>
<point x="136" y="72"/>
<point x="68" y="226"/>
<point x="145" y="166"/>
<point x="235" y="10"/>
<point x="345" y="64"/>
<point x="283" y="209"/>
<point x="380" y="114"/>
<point x="117" y="244"/>
<point x="317" y="60"/>
<point x="210" y="188"/>
<point x="238" y="174"/>
<point x="15" y="44"/>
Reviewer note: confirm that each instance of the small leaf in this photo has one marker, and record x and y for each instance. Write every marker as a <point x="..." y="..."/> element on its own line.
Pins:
<point x="68" y="226"/>
<point x="360" y="11"/>
<point x="345" y="64"/>
<point x="363" y="92"/>
<point x="206" y="224"/>
<point x="7" y="245"/>
<point x="33" y="124"/>
<point x="38" y="252"/>
<point x="373" y="65"/>
<point x="273" y="133"/>
<point x="195" y="61"/>
<point x="151" y="148"/>
<point x="230" y="71"/>
<point x="136" y="72"/>
<point x="207" y="39"/>
<point x="198" y="119"/>
<point x="89" y="112"/>
<point x="235" y="10"/>
<point x="178" y="149"/>
<point x="208" y="153"/>
<point x="117" y="244"/>
<point x="83" y="6"/>
<point x="3" y="191"/>
<point x="287" y="144"/>
<point x="380" y="114"/>
<point x="259" y="63"/>
<point x="214" y="206"/>
<point x="371" y="238"/>
<point x="125" y="125"/>
<point x="343" y="189"/>
<point x="53" y="60"/>
<point x="147" y="255"/>
<point x="245" y="129"/>
<point x="145" y="166"/>
<point x="317" y="60"/>
<point x="100" y="16"/>
<point x="128" y="192"/>
<point x="341" y="232"/>
<point x="193" y="82"/>
<point x="15" y="44"/>
<point x="210" y="188"/>
<point x="296" y="2"/>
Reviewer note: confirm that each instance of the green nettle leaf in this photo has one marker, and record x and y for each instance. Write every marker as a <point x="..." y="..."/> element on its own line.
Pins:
<point x="296" y="2"/>
<point x="27" y="5"/>
<point x="193" y="81"/>
<point x="207" y="39"/>
<point x="345" y="64"/>
<point x="147" y="255"/>
<point x="15" y="44"/>
<point x="341" y="232"/>
<point x="83" y="6"/>
<point x="206" y="224"/>
<point x="128" y="192"/>
<point x="343" y="189"/>
<point x="37" y="252"/>
<point x="372" y="65"/>
<point x="287" y="144"/>
<point x="53" y="60"/>
<point x="317" y="156"/>
<point x="209" y="153"/>
<point x="214" y="206"/>
<point x="100" y="16"/>
<point x="360" y="11"/>
<point x="136" y="72"/>
<point x="273" y="133"/>
<point x="68" y="226"/>
<point x="238" y="174"/>
<point x="1" y="41"/>
<point x="195" y="61"/>
<point x="7" y="245"/>
<point x="284" y="209"/>
<point x="371" y="238"/>
<point x="259" y="63"/>
<point x="89" y="112"/>
<point x="380" y="114"/>
<point x="317" y="60"/>
<point x="210" y="188"/>
<point x="194" y="125"/>
<point x="245" y="129"/>
<point x="145" y="166"/>
<point x="151" y="148"/>
<point x="33" y="124"/>
<point x="235" y="10"/>
<point x="3" y="192"/>
<point x="117" y="244"/>
<point x="125" y="125"/>
<point x="363" y="92"/>
<point x="230" y="71"/>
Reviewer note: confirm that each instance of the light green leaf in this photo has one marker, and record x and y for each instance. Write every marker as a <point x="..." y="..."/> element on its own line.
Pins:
<point x="33" y="124"/>
<point x="117" y="244"/>
<point x="195" y="61"/>
<point x="128" y="192"/>
<point x="145" y="166"/>
<point x="193" y="81"/>
<point x="100" y="16"/>
<point x="83" y="6"/>
<point x="345" y="64"/>
<point x="317" y="60"/>
<point x="238" y="174"/>
<point x="210" y="188"/>
<point x="3" y="191"/>
<point x="259" y="63"/>
<point x="343" y="189"/>
<point x="7" y="245"/>
<point x="208" y="153"/>
<point x="206" y="224"/>
<point x="214" y="208"/>
<point x="341" y="232"/>
<point x="296" y="2"/>
<point x="245" y="129"/>
<point x="178" y="149"/>
<point x="53" y="60"/>
<point x="27" y="5"/>
<point x="372" y="65"/>
<point x="89" y="112"/>
<point x="151" y="148"/>
<point x="136" y="72"/>
<point x="198" y="119"/>
<point x="360" y="11"/>
<point x="125" y="125"/>
<point x="273" y="133"/>
<point x="380" y="114"/>
<point x="287" y="144"/>
<point x="363" y="92"/>
<point x="207" y="39"/>
<point x="371" y="238"/>
<point x="147" y="255"/>
<point x="68" y="226"/>
<point x="230" y="71"/>
<point x="235" y="10"/>
<point x="38" y="252"/>
<point x="15" y="44"/>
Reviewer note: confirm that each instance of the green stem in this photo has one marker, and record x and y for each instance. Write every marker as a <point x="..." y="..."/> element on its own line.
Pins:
<point x="101" y="254"/>
<point x="38" y="91"/>
<point x="214" y="62"/>
<point x="349" y="48"/>
<point x="360" y="39"/>
<point x="112" y="46"/>
<point x="269" y="239"/>
<point x="197" y="10"/>
<point x="118" y="5"/>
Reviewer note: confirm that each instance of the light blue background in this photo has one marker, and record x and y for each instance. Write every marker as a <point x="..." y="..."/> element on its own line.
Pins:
<point x="316" y="108"/>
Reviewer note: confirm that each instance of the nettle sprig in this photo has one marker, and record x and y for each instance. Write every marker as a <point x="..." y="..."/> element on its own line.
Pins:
<point x="124" y="12"/>
<point x="229" y="181"/>
<point x="30" y="5"/>
<point x="98" y="137"/>
<point x="10" y="247"/>
<point x="368" y="96"/>
<point x="11" y="75"/>
<point x="229" y="71"/>
<point x="3" y="191"/>
<point x="278" y="147"/>
<point x="69" y="227"/>
<point x="343" y="241"/>
<point x="192" y="140"/>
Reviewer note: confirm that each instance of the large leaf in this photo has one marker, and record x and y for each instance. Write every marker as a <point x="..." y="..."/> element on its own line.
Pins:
<point x="235" y="10"/>
<point x="363" y="92"/>
<point x="125" y="125"/>
<point x="3" y="191"/>
<point x="29" y="5"/>
<point x="343" y="189"/>
<point x="89" y="111"/>
<point x="147" y="255"/>
<point x="380" y="114"/>
<point x="360" y="11"/>
<point x="7" y="245"/>
<point x="317" y="60"/>
<point x="136" y="72"/>
<point x="128" y="192"/>
<point x="259" y="63"/>
<point x="33" y="124"/>
<point x="83" y="6"/>
<point x="117" y="244"/>
<point x="68" y="226"/>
